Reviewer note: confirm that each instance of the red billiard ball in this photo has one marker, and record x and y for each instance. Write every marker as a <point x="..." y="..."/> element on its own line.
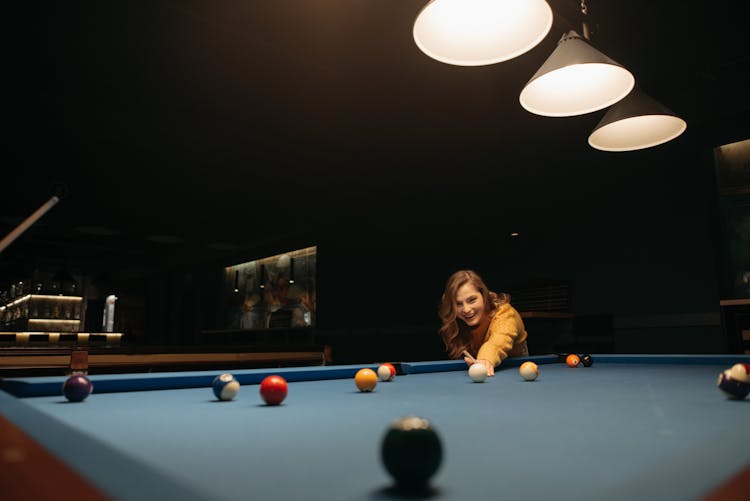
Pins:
<point x="573" y="360"/>
<point x="411" y="452"/>
<point x="77" y="387"/>
<point x="273" y="389"/>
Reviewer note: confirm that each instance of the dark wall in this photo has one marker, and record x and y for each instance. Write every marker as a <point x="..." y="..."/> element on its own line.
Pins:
<point x="401" y="169"/>
<point x="639" y="249"/>
<point x="635" y="242"/>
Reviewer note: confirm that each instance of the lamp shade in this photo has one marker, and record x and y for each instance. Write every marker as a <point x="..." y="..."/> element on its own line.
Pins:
<point x="575" y="79"/>
<point x="480" y="32"/>
<point x="636" y="122"/>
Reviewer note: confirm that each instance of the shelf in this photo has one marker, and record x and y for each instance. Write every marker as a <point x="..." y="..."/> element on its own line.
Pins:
<point x="36" y="312"/>
<point x="36" y="338"/>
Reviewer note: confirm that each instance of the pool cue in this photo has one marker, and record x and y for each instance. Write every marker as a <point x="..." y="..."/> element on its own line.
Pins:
<point x="10" y="237"/>
<point x="468" y="355"/>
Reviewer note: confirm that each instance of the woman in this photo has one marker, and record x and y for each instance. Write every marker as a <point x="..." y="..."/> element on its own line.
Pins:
<point x="480" y="322"/>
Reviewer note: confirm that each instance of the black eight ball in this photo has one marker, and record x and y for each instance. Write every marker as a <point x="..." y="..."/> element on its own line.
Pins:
<point x="586" y="360"/>
<point x="411" y="452"/>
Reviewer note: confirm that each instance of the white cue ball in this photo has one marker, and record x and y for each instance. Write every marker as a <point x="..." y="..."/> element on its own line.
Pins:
<point x="477" y="373"/>
<point x="529" y="371"/>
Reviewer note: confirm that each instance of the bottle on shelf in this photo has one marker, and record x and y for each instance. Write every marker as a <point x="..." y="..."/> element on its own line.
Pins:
<point x="37" y="283"/>
<point x="21" y="288"/>
<point x="70" y="286"/>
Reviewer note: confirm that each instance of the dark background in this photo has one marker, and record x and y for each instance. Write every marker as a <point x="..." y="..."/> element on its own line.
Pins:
<point x="193" y="135"/>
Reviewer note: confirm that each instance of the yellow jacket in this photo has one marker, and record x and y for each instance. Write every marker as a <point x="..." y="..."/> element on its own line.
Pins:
<point x="506" y="336"/>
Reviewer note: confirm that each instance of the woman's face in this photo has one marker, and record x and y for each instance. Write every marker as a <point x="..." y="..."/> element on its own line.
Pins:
<point x="469" y="305"/>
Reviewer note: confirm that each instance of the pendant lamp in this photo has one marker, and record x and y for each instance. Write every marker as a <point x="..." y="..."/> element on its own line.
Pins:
<point x="576" y="79"/>
<point x="635" y="123"/>
<point x="480" y="32"/>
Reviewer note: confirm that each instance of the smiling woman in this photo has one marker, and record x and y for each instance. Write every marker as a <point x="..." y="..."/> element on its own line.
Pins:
<point x="479" y="321"/>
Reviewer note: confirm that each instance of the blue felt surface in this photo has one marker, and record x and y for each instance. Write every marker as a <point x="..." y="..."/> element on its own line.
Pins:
<point x="612" y="431"/>
<point x="112" y="472"/>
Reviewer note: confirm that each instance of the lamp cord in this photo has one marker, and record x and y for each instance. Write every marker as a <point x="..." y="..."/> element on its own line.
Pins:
<point x="581" y="24"/>
<point x="584" y="20"/>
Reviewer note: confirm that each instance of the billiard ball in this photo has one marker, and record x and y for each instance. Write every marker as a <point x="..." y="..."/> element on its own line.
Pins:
<point x="366" y="380"/>
<point x="478" y="372"/>
<point x="529" y="371"/>
<point x="740" y="372"/>
<point x="735" y="390"/>
<point x="273" y="389"/>
<point x="572" y="360"/>
<point x="225" y="386"/>
<point x="77" y="387"/>
<point x="586" y="360"/>
<point x="411" y="452"/>
<point x="386" y="372"/>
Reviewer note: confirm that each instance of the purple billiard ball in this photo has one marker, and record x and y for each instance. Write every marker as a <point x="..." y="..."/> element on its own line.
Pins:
<point x="77" y="387"/>
<point x="736" y="390"/>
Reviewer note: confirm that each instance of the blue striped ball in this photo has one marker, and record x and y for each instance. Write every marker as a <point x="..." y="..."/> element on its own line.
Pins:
<point x="225" y="386"/>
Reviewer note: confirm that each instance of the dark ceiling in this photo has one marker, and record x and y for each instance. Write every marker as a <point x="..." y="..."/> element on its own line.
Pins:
<point x="189" y="128"/>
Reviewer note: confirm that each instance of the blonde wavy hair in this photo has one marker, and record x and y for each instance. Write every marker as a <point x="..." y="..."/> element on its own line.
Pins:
<point x="456" y="334"/>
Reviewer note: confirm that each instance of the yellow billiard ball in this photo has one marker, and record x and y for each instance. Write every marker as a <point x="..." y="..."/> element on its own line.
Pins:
<point x="366" y="379"/>
<point x="573" y="360"/>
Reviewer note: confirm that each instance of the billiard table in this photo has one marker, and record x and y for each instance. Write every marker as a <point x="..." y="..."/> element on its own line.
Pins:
<point x="629" y="427"/>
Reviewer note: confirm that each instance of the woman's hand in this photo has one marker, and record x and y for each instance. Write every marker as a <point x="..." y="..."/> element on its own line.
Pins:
<point x="487" y="365"/>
